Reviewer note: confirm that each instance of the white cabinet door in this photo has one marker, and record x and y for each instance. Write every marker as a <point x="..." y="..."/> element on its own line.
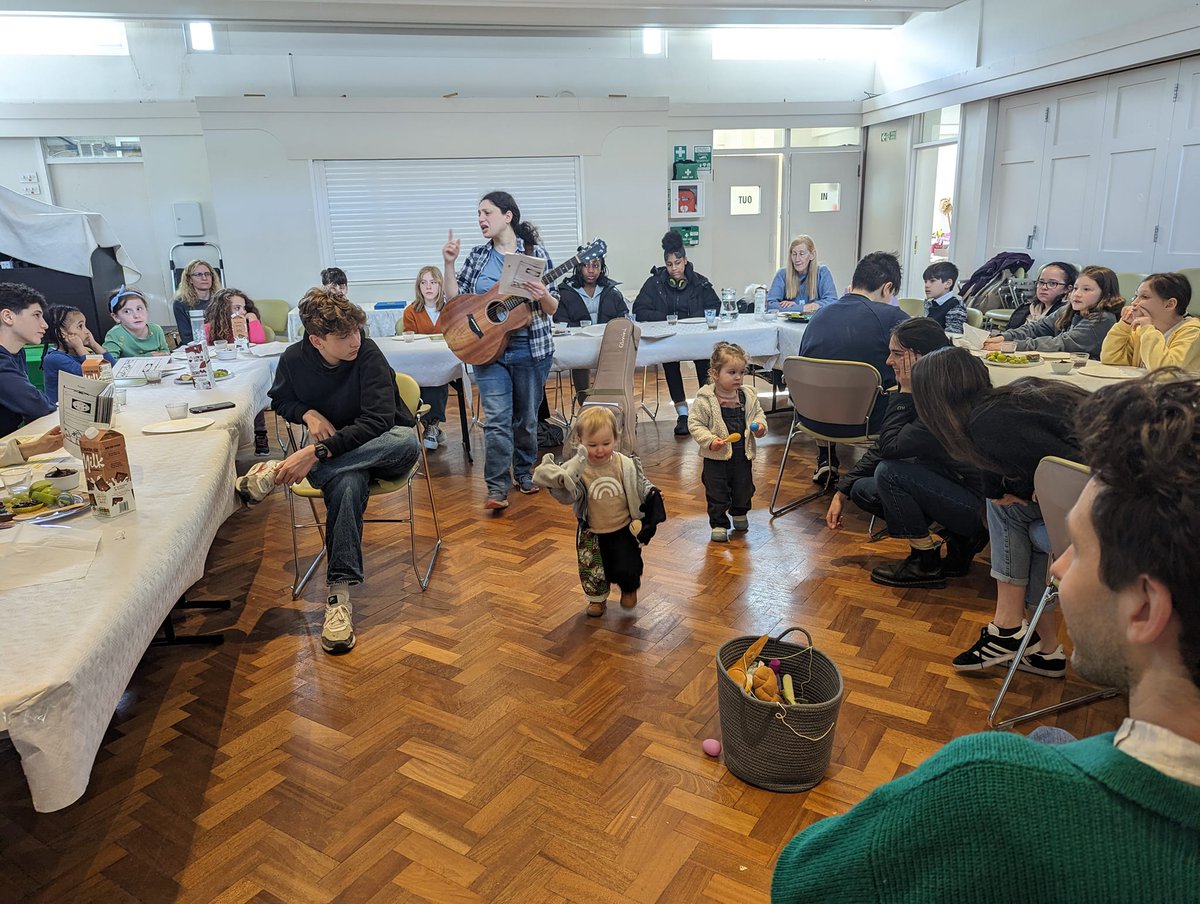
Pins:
<point x="1133" y="150"/>
<point x="1066" y="201"/>
<point x="1018" y="173"/>
<point x="1178" y="246"/>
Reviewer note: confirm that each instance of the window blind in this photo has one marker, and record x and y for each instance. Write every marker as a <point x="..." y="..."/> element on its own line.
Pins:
<point x="386" y="219"/>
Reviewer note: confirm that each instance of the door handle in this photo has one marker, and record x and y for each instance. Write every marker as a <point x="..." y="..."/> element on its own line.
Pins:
<point x="1029" y="239"/>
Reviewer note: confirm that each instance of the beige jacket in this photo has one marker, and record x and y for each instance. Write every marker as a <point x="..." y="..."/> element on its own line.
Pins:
<point x="706" y="424"/>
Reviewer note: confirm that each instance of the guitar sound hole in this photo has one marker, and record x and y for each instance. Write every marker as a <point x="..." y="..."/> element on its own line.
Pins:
<point x="496" y="313"/>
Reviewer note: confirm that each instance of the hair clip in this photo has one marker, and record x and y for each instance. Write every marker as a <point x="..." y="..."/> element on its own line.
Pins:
<point x="122" y="291"/>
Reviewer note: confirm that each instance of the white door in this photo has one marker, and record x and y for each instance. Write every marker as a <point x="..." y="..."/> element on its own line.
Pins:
<point x="743" y="220"/>
<point x="118" y="191"/>
<point x="1066" y="201"/>
<point x="1134" y="146"/>
<point x="834" y="232"/>
<point x="1018" y="173"/>
<point x="930" y="217"/>
<point x="1178" y="223"/>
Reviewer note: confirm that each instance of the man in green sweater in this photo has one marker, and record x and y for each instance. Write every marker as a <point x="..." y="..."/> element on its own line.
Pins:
<point x="1116" y="817"/>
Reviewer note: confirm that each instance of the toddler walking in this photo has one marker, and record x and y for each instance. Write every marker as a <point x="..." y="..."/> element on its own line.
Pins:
<point x="617" y="507"/>
<point x="725" y="421"/>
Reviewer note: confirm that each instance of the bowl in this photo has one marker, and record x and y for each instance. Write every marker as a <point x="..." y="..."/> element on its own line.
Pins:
<point x="64" y="483"/>
<point x="1061" y="367"/>
<point x="227" y="353"/>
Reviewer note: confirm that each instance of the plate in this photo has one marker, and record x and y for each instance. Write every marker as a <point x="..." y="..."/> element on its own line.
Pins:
<point x="187" y="378"/>
<point x="1110" y="372"/>
<point x="183" y="425"/>
<point x="1006" y="364"/>
<point x="59" y="513"/>
<point x="693" y="320"/>
<point x="126" y="382"/>
<point x="1055" y="356"/>
<point x="417" y="338"/>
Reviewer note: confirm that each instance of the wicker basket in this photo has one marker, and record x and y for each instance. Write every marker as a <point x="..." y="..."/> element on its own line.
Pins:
<point x="774" y="745"/>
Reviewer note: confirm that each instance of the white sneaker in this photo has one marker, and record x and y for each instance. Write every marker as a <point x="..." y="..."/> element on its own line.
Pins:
<point x="337" y="634"/>
<point x="439" y="433"/>
<point x="431" y="440"/>
<point x="720" y="535"/>
<point x="256" y="484"/>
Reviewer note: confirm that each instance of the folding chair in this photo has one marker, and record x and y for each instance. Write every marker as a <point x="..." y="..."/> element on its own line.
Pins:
<point x="1058" y="483"/>
<point x="841" y="393"/>
<point x="410" y="392"/>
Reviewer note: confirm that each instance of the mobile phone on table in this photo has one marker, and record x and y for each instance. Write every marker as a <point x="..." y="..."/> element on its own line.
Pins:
<point x="215" y="406"/>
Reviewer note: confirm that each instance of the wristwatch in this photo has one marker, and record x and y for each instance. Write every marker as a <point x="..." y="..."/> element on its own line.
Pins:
<point x="323" y="453"/>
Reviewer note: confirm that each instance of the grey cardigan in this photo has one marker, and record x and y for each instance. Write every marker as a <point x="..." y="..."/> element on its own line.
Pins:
<point x="1085" y="333"/>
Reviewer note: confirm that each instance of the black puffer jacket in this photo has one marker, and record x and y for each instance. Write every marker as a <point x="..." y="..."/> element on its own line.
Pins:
<point x="572" y="308"/>
<point x="658" y="298"/>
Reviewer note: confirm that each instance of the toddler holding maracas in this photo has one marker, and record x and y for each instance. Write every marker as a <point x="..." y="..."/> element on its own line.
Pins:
<point x="725" y="421"/>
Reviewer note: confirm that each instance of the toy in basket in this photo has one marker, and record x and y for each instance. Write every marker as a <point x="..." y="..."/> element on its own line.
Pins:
<point x="769" y="741"/>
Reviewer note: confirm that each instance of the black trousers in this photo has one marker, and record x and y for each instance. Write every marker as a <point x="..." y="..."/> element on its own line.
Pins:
<point x="675" y="378"/>
<point x="622" y="558"/>
<point x="728" y="487"/>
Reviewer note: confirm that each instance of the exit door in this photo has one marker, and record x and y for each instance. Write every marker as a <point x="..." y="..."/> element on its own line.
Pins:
<point x="743" y="211"/>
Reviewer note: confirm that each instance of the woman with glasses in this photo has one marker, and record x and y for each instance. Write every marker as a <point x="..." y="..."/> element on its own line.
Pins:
<point x="1053" y="283"/>
<point x="1081" y="325"/>
<point x="197" y="284"/>
<point x="805" y="285"/>
<point x="1154" y="330"/>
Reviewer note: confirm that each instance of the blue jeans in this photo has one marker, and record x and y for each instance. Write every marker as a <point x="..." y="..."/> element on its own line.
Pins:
<point x="509" y="391"/>
<point x="344" y="482"/>
<point x="910" y="497"/>
<point x="1020" y="547"/>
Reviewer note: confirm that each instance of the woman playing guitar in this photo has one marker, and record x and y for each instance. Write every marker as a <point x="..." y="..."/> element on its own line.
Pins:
<point x="511" y="387"/>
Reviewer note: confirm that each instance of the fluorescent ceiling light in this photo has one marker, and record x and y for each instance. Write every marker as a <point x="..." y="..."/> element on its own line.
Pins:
<point x="200" y="35"/>
<point x="796" y="43"/>
<point x="53" y="36"/>
<point x="652" y="41"/>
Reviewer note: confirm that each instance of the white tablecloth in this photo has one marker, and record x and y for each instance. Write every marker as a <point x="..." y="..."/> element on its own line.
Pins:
<point x="69" y="650"/>
<point x="381" y="322"/>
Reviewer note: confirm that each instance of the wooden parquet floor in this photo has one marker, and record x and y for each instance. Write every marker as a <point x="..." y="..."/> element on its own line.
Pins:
<point x="486" y="741"/>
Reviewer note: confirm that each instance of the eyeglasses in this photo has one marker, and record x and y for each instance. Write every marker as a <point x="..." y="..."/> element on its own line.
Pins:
<point x="1051" y="284"/>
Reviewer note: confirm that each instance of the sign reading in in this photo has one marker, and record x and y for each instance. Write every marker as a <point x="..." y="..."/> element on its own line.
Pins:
<point x="824" y="197"/>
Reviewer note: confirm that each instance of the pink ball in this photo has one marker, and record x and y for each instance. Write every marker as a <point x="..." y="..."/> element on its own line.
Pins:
<point x="711" y="746"/>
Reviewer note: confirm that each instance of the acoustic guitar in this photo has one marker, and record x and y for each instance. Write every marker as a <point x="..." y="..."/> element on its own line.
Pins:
<point x="477" y="327"/>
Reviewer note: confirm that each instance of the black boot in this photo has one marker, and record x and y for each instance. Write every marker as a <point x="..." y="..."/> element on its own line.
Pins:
<point x="922" y="568"/>
<point x="960" y="552"/>
<point x="681" y="427"/>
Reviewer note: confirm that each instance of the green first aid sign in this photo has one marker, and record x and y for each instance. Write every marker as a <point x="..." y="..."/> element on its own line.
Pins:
<point x="681" y="152"/>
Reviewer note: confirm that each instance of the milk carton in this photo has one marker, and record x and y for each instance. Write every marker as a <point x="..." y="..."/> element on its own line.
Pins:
<point x="95" y="367"/>
<point x="199" y="366"/>
<point x="106" y="467"/>
<point x="241" y="332"/>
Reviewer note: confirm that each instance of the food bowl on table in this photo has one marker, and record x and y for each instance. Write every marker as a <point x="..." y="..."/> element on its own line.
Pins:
<point x="1061" y="367"/>
<point x="63" y="479"/>
<point x="227" y="353"/>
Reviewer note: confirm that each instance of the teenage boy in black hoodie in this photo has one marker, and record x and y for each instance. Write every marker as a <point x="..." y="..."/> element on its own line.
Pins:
<point x="337" y="383"/>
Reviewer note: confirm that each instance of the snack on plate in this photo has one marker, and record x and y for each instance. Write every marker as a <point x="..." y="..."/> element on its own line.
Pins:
<point x="1002" y="358"/>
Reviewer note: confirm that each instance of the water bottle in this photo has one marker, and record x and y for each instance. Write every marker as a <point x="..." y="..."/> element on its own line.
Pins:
<point x="196" y="318"/>
<point x="760" y="303"/>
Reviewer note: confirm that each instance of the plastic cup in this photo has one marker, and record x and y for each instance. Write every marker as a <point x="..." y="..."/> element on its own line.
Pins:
<point x="409" y="335"/>
<point x="1008" y="347"/>
<point x="153" y="376"/>
<point x="119" y="398"/>
<point x="177" y="410"/>
<point x="1079" y="359"/>
<point x="672" y="319"/>
<point x="710" y="318"/>
<point x="16" y="480"/>
<point x="584" y="324"/>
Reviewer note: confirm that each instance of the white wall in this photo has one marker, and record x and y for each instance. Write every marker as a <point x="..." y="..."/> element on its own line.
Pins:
<point x="260" y="154"/>
<point x="19" y="156"/>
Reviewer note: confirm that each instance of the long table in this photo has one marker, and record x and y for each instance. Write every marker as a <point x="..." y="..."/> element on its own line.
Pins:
<point x="69" y="648"/>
